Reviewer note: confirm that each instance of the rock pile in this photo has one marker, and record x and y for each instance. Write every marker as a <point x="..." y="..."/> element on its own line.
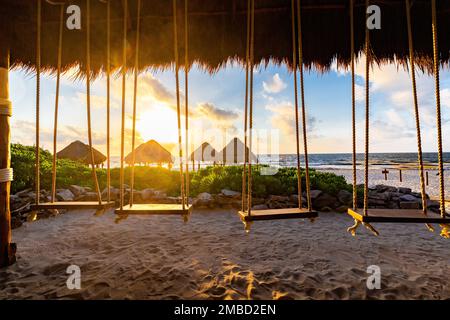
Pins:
<point x="380" y="196"/>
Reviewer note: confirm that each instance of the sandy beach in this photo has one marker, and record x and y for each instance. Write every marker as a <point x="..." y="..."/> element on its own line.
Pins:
<point x="211" y="257"/>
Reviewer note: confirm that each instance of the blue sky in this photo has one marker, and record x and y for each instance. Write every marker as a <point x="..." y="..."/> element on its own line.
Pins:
<point x="216" y="104"/>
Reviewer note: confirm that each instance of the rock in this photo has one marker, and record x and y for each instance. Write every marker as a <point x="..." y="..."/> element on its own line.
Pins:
<point x="205" y="200"/>
<point x="342" y="209"/>
<point x="326" y="209"/>
<point x="383" y="188"/>
<point x="273" y="198"/>
<point x="293" y="198"/>
<point x="385" y="195"/>
<point x="315" y="194"/>
<point x="409" y="205"/>
<point x="377" y="202"/>
<point x="23" y="193"/>
<point x="408" y="197"/>
<point x="204" y="196"/>
<point x="260" y="207"/>
<point x="147" y="194"/>
<point x="88" y="196"/>
<point x="65" y="195"/>
<point x="76" y="190"/>
<point x="256" y="201"/>
<point x="345" y="197"/>
<point x="115" y="194"/>
<point x="230" y="193"/>
<point x="404" y="190"/>
<point x="325" y="200"/>
<point x="433" y="204"/>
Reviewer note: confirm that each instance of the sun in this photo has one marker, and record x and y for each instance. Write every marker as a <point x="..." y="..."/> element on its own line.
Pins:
<point x="159" y="123"/>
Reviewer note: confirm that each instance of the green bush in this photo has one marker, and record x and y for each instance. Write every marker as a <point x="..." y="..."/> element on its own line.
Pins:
<point x="210" y="179"/>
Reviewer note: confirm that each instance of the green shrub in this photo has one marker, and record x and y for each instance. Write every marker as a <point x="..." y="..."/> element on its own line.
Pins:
<point x="211" y="179"/>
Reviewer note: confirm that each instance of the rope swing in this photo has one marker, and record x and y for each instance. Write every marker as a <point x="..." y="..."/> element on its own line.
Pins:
<point x="186" y="93"/>
<point x="184" y="208"/>
<point x="53" y="204"/>
<point x="402" y="215"/>
<point x="88" y="98"/>
<point x="248" y="215"/>
<point x="124" y="79"/>
<point x="136" y="71"/>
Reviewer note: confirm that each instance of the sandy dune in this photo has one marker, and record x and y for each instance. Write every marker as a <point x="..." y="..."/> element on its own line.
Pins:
<point x="211" y="257"/>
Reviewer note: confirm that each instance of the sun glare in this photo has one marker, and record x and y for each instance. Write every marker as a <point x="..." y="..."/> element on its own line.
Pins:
<point x="159" y="124"/>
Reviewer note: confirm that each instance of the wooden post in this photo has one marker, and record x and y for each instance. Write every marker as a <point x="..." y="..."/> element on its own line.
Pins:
<point x="426" y="178"/>
<point x="400" y="174"/>
<point x="7" y="249"/>
<point x="385" y="172"/>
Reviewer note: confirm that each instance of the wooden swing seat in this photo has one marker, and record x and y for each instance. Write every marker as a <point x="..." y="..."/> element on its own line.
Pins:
<point x="397" y="216"/>
<point x="277" y="214"/>
<point x="155" y="209"/>
<point x="73" y="205"/>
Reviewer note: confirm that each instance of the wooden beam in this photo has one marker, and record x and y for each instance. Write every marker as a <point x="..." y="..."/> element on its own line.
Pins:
<point x="7" y="249"/>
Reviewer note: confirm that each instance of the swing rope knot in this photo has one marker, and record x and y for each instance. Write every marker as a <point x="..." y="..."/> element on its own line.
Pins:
<point x="445" y="231"/>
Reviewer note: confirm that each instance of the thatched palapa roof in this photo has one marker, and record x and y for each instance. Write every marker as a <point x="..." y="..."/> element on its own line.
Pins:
<point x="150" y="152"/>
<point x="78" y="151"/>
<point x="233" y="152"/>
<point x="204" y="153"/>
<point x="217" y="32"/>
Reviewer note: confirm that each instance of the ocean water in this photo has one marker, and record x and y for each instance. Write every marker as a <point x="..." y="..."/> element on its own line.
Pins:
<point x="344" y="160"/>
<point x="332" y="161"/>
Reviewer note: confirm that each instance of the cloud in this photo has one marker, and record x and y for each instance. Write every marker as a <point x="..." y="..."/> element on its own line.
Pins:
<point x="66" y="134"/>
<point x="283" y="118"/>
<point x="214" y="113"/>
<point x="275" y="85"/>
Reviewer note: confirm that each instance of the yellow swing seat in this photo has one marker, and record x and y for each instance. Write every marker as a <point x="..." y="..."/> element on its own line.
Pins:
<point x="155" y="209"/>
<point x="73" y="205"/>
<point x="397" y="216"/>
<point x="277" y="214"/>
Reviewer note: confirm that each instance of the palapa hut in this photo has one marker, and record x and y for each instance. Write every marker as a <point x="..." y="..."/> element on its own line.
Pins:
<point x="204" y="153"/>
<point x="217" y="33"/>
<point x="78" y="151"/>
<point x="149" y="153"/>
<point x="233" y="153"/>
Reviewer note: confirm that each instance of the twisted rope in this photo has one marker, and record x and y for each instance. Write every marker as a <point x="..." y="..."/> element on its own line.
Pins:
<point x="136" y="70"/>
<point x="108" y="100"/>
<point x="352" y="57"/>
<point x="366" y="142"/>
<point x="302" y="90"/>
<point x="124" y="78"/>
<point x="88" y="97"/>
<point x="247" y="58"/>
<point x="297" y="135"/>
<point x="252" y="45"/>
<point x="6" y="175"/>
<point x="177" y="82"/>
<point x="438" y="108"/>
<point x="5" y="107"/>
<point x="38" y="94"/>
<point x="416" y="107"/>
<point x="58" y="78"/>
<point x="186" y="93"/>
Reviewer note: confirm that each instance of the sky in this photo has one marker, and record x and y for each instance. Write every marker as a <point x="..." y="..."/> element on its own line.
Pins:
<point x="216" y="104"/>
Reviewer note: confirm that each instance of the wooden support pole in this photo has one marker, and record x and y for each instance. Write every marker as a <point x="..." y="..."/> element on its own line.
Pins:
<point x="400" y="174"/>
<point x="426" y="177"/>
<point x="7" y="249"/>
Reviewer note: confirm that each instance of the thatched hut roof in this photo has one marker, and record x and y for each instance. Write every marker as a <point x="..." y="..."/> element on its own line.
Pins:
<point x="204" y="153"/>
<point x="234" y="153"/>
<point x="150" y="152"/>
<point x="78" y="151"/>
<point x="217" y="31"/>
